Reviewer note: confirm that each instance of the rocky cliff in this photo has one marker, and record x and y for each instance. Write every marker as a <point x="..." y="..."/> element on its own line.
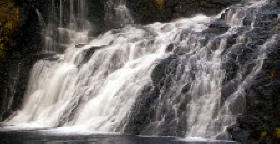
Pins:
<point x="260" y="120"/>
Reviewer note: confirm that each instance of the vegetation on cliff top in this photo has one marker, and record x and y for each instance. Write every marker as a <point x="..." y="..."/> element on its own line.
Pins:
<point x="159" y="3"/>
<point x="9" y="25"/>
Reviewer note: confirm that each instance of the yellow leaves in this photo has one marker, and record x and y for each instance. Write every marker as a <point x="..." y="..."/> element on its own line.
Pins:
<point x="264" y="133"/>
<point x="9" y="25"/>
<point x="277" y="133"/>
<point x="274" y="133"/>
<point x="2" y="48"/>
<point x="9" y="17"/>
<point x="8" y="11"/>
<point x="273" y="74"/>
<point x="159" y="3"/>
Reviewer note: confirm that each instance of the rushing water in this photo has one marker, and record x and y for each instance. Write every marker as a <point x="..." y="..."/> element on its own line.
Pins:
<point x="98" y="93"/>
<point x="116" y="13"/>
<point x="93" y="85"/>
<point x="64" y="24"/>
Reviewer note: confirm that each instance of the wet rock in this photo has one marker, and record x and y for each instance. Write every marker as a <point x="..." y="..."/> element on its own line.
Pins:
<point x="186" y="88"/>
<point x="153" y="112"/>
<point x="80" y="45"/>
<point x="218" y="27"/>
<point x="238" y="134"/>
<point x="247" y="21"/>
<point x="161" y="70"/>
<point x="89" y="52"/>
<point x="231" y="68"/>
<point x="249" y="122"/>
<point x="170" y="48"/>
<point x="227" y="90"/>
<point x="148" y="11"/>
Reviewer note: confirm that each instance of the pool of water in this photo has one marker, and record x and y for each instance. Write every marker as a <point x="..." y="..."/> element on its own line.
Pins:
<point x="49" y="136"/>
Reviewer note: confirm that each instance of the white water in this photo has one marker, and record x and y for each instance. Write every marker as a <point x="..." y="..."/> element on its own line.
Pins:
<point x="207" y="117"/>
<point x="98" y="95"/>
<point x="116" y="12"/>
<point x="205" y="90"/>
<point x="65" y="25"/>
<point x="102" y="90"/>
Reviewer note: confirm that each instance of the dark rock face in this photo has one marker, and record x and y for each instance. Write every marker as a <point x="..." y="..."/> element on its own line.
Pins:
<point x="148" y="11"/>
<point x="16" y="76"/>
<point x="260" y="120"/>
<point x="149" y="110"/>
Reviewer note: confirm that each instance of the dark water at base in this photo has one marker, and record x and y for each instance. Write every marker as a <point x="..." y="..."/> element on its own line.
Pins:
<point x="38" y="137"/>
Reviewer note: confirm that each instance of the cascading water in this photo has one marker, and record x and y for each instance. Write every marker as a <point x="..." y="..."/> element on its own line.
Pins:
<point x="98" y="93"/>
<point x="206" y="108"/>
<point x="66" y="23"/>
<point x="117" y="14"/>
<point x="165" y="79"/>
<point x="200" y="88"/>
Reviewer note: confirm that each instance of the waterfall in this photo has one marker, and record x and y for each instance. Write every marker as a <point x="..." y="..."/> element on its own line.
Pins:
<point x="117" y="14"/>
<point x="208" y="115"/>
<point x="60" y="13"/>
<point x="40" y="18"/>
<point x="66" y="20"/>
<point x="200" y="88"/>
<point x="163" y="78"/>
<point x="94" y="87"/>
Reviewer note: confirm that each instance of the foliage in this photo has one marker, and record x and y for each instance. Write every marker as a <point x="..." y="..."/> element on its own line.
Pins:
<point x="159" y="3"/>
<point x="9" y="25"/>
<point x="277" y="133"/>
<point x="264" y="133"/>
